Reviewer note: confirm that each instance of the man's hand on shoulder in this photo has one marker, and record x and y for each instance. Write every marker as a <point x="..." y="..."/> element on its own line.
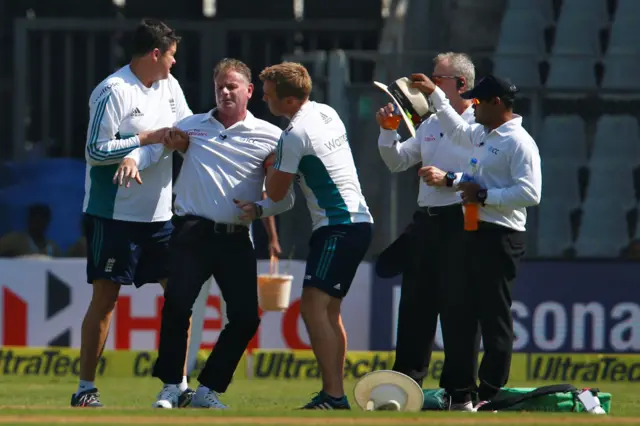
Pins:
<point x="127" y="171"/>
<point x="176" y="139"/>
<point x="153" y="137"/>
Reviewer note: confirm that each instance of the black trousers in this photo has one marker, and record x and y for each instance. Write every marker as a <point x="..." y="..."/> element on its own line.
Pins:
<point x="433" y="268"/>
<point x="491" y="258"/>
<point x="198" y="249"/>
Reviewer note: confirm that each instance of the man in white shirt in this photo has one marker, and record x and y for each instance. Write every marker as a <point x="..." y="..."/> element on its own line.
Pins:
<point x="314" y="150"/>
<point x="127" y="229"/>
<point x="223" y="170"/>
<point x="507" y="181"/>
<point x="437" y="227"/>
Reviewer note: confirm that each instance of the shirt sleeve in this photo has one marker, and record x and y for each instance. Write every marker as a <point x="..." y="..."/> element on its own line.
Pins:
<point x="104" y="144"/>
<point x="147" y="155"/>
<point x="526" y="173"/>
<point x="291" y="148"/>
<point x="272" y="208"/>
<point x="452" y="124"/>
<point x="398" y="156"/>
<point x="10" y="245"/>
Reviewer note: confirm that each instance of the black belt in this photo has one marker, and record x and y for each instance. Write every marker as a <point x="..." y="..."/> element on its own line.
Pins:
<point x="442" y="210"/>
<point x="218" y="228"/>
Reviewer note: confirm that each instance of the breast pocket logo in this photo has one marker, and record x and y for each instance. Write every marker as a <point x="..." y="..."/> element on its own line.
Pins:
<point x="493" y="150"/>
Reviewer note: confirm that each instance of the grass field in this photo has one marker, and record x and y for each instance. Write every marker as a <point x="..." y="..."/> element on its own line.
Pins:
<point x="31" y="400"/>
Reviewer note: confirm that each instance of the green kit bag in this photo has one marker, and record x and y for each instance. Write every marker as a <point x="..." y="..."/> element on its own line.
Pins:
<point x="554" y="398"/>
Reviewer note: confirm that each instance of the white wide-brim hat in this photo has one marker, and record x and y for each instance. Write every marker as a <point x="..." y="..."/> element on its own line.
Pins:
<point x="388" y="390"/>
<point x="408" y="100"/>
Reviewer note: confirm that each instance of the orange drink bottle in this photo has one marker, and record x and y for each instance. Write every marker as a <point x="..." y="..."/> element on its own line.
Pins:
<point x="471" y="209"/>
<point x="393" y="121"/>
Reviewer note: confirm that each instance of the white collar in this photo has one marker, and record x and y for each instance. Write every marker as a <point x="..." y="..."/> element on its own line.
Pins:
<point x="249" y="122"/>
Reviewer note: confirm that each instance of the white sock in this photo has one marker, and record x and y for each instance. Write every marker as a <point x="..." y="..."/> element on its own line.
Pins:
<point x="183" y="385"/>
<point x="85" y="385"/>
<point x="202" y="391"/>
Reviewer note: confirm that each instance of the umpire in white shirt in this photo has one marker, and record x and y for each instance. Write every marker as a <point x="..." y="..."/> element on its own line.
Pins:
<point x="507" y="182"/>
<point x="224" y="165"/>
<point x="437" y="226"/>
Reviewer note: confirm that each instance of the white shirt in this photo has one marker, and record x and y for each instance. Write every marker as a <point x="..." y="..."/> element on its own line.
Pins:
<point x="315" y="146"/>
<point x="508" y="164"/>
<point x="433" y="148"/>
<point x="221" y="165"/>
<point x="120" y="107"/>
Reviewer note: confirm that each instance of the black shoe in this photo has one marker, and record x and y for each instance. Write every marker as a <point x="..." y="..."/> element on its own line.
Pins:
<point x="88" y="398"/>
<point x="323" y="401"/>
<point x="185" y="398"/>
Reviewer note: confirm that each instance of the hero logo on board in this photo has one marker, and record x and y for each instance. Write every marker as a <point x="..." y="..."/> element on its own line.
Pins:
<point x="17" y="318"/>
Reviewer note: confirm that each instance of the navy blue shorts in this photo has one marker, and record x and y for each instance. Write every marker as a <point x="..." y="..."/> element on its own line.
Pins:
<point x="335" y="253"/>
<point x="127" y="252"/>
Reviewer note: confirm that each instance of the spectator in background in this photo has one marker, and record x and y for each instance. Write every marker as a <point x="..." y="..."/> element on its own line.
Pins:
<point x="79" y="248"/>
<point x="632" y="251"/>
<point x="33" y="241"/>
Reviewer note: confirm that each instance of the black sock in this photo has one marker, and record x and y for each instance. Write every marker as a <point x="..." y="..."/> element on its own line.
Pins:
<point x="485" y="393"/>
<point x="460" y="397"/>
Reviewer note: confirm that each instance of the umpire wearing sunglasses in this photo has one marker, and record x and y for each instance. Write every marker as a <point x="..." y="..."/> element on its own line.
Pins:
<point x="507" y="181"/>
<point x="437" y="226"/>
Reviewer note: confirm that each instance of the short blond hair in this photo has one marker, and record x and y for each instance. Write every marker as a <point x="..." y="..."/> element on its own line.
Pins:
<point x="290" y="78"/>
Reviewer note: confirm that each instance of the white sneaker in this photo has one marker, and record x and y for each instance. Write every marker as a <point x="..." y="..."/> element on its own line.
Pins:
<point x="168" y="397"/>
<point x="207" y="400"/>
<point x="480" y="404"/>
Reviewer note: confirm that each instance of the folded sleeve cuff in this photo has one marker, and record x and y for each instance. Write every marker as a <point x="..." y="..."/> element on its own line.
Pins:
<point x="438" y="98"/>
<point x="494" y="197"/>
<point x="387" y="137"/>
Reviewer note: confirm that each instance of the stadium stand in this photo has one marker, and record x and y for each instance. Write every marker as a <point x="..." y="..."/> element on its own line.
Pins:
<point x="580" y="58"/>
<point x="603" y="230"/>
<point x="554" y="231"/>
<point x="248" y="9"/>
<point x="164" y="9"/>
<point x="593" y="150"/>
<point x="341" y="9"/>
<point x="563" y="138"/>
<point x="521" y="38"/>
<point x="616" y="140"/>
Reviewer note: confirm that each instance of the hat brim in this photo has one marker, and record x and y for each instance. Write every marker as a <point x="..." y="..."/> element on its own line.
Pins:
<point x="368" y="382"/>
<point x="405" y="117"/>
<point x="469" y="94"/>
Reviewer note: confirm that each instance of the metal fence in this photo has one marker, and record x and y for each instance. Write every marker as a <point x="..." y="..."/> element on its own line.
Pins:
<point x="57" y="62"/>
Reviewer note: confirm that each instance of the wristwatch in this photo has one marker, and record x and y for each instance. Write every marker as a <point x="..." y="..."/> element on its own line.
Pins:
<point x="481" y="195"/>
<point x="450" y="178"/>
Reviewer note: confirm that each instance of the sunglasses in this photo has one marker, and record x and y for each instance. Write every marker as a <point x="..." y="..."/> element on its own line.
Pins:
<point x="434" y="76"/>
<point x="477" y="101"/>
